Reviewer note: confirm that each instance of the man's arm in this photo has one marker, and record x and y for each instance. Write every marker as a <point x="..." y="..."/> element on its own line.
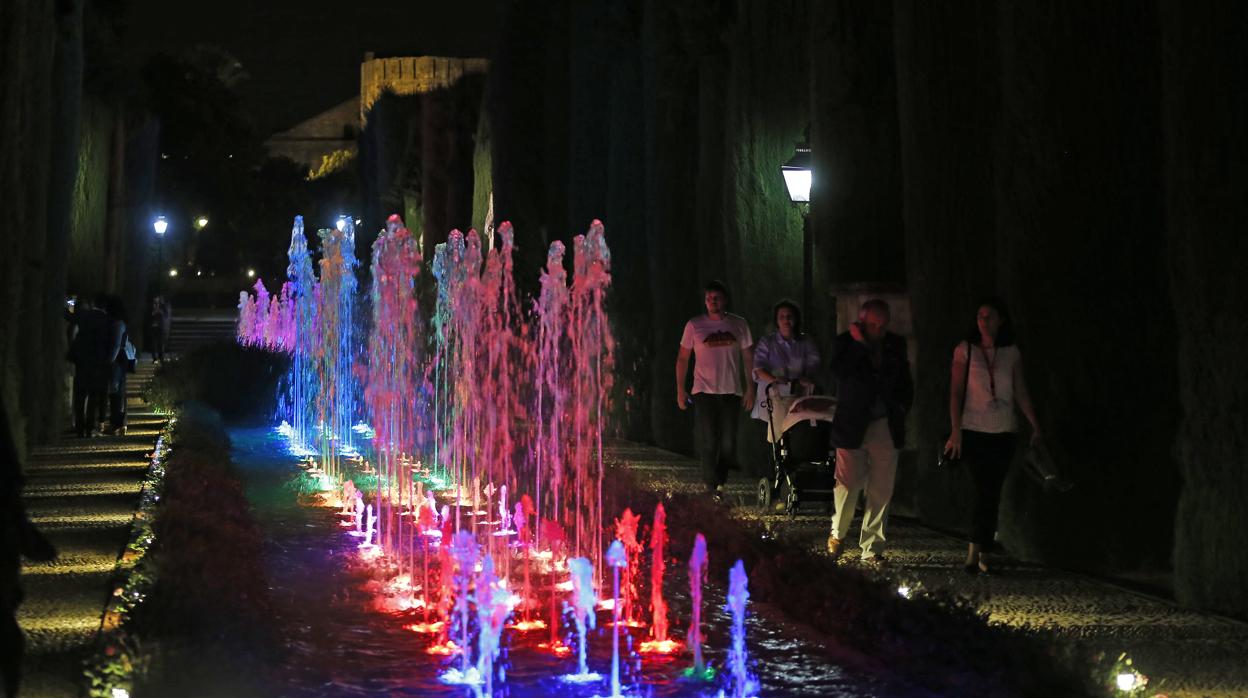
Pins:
<point x="682" y="370"/>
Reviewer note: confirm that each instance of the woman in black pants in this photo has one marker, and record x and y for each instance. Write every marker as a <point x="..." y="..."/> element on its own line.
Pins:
<point x="982" y="400"/>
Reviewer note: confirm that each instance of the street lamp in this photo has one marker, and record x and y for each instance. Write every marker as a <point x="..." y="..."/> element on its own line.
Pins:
<point x="341" y="224"/>
<point x="160" y="225"/>
<point x="201" y="222"/>
<point x="797" y="177"/>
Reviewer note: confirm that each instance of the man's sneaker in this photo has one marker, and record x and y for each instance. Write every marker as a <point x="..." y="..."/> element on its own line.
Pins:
<point x="834" y="547"/>
<point x="874" y="561"/>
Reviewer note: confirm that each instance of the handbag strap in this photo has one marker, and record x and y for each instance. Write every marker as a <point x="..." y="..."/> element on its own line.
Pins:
<point x="966" y="376"/>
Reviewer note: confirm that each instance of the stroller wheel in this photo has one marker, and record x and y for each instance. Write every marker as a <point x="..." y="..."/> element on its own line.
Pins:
<point x="764" y="493"/>
<point x="786" y="498"/>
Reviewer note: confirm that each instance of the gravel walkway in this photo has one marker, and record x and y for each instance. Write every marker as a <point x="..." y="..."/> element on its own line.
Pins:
<point x="82" y="493"/>
<point x="1183" y="652"/>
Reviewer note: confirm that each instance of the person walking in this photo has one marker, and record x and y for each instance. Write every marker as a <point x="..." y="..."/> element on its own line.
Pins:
<point x="874" y="392"/>
<point x="786" y="363"/>
<point x="987" y="385"/>
<point x="157" y="328"/>
<point x="722" y="349"/>
<point x="119" y="340"/>
<point x="88" y="352"/>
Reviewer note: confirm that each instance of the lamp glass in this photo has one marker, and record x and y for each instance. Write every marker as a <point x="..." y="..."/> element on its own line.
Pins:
<point x="798" y="183"/>
<point x="160" y="225"/>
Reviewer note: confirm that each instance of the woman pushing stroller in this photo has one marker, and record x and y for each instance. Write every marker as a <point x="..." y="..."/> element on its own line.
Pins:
<point x="786" y="356"/>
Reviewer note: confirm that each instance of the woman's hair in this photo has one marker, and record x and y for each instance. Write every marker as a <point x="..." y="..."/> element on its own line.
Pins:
<point x="115" y="308"/>
<point x="797" y="316"/>
<point x="1005" y="333"/>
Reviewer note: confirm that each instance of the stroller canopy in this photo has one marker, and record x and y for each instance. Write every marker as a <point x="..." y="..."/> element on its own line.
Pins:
<point x="788" y="411"/>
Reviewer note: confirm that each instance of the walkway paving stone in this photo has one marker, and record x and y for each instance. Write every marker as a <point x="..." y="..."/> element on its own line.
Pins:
<point x="1182" y="651"/>
<point x="82" y="493"/>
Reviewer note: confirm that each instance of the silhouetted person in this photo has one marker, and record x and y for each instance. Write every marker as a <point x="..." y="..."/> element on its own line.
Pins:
<point x="118" y="338"/>
<point x="722" y="348"/>
<point x="874" y="391"/>
<point x="89" y="352"/>
<point x="158" y="328"/>
<point x="20" y="539"/>
<point x="982" y="401"/>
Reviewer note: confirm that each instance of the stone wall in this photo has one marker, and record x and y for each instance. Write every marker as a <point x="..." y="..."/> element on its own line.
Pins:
<point x="330" y="131"/>
<point x="1205" y="52"/>
<point x="1063" y="157"/>
<point x="410" y="75"/>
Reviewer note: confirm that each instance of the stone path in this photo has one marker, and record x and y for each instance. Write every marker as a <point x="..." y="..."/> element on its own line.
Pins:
<point x="1183" y="652"/>
<point x="82" y="493"/>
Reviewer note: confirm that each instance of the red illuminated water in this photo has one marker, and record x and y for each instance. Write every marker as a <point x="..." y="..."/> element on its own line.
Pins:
<point x="335" y="640"/>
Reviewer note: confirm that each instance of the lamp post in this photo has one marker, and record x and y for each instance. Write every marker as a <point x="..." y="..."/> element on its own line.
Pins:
<point x="797" y="176"/>
<point x="160" y="225"/>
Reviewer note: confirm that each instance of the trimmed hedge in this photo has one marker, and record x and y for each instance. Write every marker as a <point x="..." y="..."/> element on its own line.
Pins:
<point x="241" y="383"/>
<point x="205" y="625"/>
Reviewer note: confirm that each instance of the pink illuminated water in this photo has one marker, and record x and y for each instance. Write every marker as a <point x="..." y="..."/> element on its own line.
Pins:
<point x="476" y="488"/>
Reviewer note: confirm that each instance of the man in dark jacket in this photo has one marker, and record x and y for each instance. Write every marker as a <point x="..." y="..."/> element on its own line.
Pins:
<point x="89" y="352"/>
<point x="874" y="391"/>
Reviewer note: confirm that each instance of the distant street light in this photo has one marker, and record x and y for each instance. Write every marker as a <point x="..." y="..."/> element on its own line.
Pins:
<point x="201" y="222"/>
<point x="160" y="225"/>
<point x="251" y="273"/>
<point x="797" y="178"/>
<point x="173" y="272"/>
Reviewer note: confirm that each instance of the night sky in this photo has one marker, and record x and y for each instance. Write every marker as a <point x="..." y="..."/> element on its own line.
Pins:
<point x="303" y="56"/>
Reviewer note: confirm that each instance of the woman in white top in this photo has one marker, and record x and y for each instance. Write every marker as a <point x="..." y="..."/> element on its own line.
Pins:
<point x="785" y="356"/>
<point x="982" y="402"/>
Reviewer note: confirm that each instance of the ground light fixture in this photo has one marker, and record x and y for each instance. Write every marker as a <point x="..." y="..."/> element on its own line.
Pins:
<point x="797" y="175"/>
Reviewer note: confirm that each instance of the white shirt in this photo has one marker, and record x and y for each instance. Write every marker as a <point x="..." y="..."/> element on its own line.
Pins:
<point x="982" y="412"/>
<point x="717" y="346"/>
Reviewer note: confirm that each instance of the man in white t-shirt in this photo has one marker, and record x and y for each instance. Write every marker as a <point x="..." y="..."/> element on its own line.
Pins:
<point x="722" y="348"/>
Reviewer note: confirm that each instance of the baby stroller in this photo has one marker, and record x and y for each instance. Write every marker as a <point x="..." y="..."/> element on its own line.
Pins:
<point x="799" y="430"/>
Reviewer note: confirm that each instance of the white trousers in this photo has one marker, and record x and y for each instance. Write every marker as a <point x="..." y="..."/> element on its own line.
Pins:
<point x="873" y="466"/>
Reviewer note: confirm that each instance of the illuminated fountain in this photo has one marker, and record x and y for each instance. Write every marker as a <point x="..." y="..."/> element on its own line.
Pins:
<point x="744" y="685"/>
<point x="297" y="402"/>
<point x="697" y="577"/>
<point x="480" y="470"/>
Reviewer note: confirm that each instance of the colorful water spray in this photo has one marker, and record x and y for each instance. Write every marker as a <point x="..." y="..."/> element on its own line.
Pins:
<point x="697" y="577"/>
<point x="297" y="405"/>
<point x="508" y="412"/>
<point x="743" y="684"/>
<point x="659" y="643"/>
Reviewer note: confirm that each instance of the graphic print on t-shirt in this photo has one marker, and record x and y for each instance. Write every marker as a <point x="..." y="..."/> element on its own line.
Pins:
<point x="722" y="338"/>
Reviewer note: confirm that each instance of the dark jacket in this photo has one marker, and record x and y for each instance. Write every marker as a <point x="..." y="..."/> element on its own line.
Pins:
<point x="858" y="383"/>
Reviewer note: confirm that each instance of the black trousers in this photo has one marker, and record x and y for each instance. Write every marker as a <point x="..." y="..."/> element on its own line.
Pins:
<point x="715" y="417"/>
<point x="90" y="391"/>
<point x="156" y="343"/>
<point x="988" y="457"/>
<point x="117" y="396"/>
